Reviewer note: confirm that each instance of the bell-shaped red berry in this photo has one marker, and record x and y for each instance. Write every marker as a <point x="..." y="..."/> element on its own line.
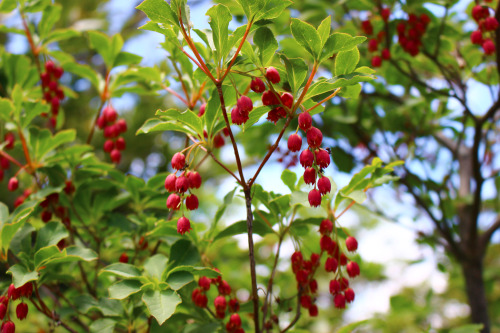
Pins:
<point x="204" y="283"/>
<point x="202" y="109"/>
<point x="306" y="158"/>
<point x="351" y="243"/>
<point x="325" y="227"/>
<point x="305" y="121"/>
<point x="109" y="114"/>
<point x="310" y="176"/>
<point x="349" y="295"/>
<point x="331" y="264"/>
<point x="352" y="269"/>
<point x="339" y="301"/>
<point x="178" y="161"/>
<point x="324" y="185"/>
<point x="183" y="225"/>
<point x="8" y="327"/>
<point x="116" y="156"/>
<point x="313" y="310"/>
<point x="120" y="143"/>
<point x="170" y="182"/>
<point x="192" y="202"/>
<point x="269" y="98"/>
<point x="294" y="142"/>
<point x="194" y="179"/>
<point x="287" y="100"/>
<point x="220" y="303"/>
<point x="314" y="198"/>
<point x="245" y="104"/>
<point x="13" y="184"/>
<point x="21" y="311"/>
<point x="257" y="85"/>
<point x="273" y="75"/>
<point x="108" y="146"/>
<point x="181" y="184"/>
<point x="173" y="201"/>
<point x="123" y="258"/>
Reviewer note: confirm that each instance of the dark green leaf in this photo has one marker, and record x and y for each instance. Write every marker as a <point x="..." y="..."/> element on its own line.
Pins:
<point x="161" y="304"/>
<point x="122" y="270"/>
<point x="125" y="288"/>
<point x="267" y="44"/>
<point x="296" y="70"/>
<point x="50" y="234"/>
<point x="219" y="22"/>
<point x="21" y="275"/>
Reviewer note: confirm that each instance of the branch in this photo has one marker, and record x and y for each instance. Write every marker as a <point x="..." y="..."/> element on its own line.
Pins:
<point x="485" y="237"/>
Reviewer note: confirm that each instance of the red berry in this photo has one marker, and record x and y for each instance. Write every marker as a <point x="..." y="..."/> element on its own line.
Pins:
<point x="109" y="145"/>
<point x="334" y="287"/>
<point x="224" y="288"/>
<point x="351" y="243"/>
<point x="326" y="243"/>
<point x="326" y="227"/>
<point x="476" y="37"/>
<point x="287" y="100"/>
<point x="269" y="98"/>
<point x="13" y="184"/>
<point x="314" y="198"/>
<point x="367" y="27"/>
<point x="257" y="85"/>
<point x="46" y="216"/>
<point x="322" y="158"/>
<point x="110" y="131"/>
<point x="305" y="301"/>
<point x="349" y="295"/>
<point x="178" y="161"/>
<point x="352" y="269"/>
<point x="194" y="179"/>
<point x="305" y="121"/>
<point x="192" y="202"/>
<point x="22" y="311"/>
<point x="314" y="137"/>
<point x="294" y="142"/>
<point x="313" y="310"/>
<point x="109" y="114"/>
<point x="45" y="77"/>
<point x="4" y="163"/>
<point x="385" y="13"/>
<point x="58" y="72"/>
<point x="173" y="201"/>
<point x="302" y="276"/>
<point x="297" y="257"/>
<point x="3" y="310"/>
<point x="331" y="264"/>
<point x="8" y="327"/>
<point x="315" y="259"/>
<point x="220" y="303"/>
<point x="235" y="320"/>
<point x="170" y="182"/>
<point x="218" y="140"/>
<point x="234" y="305"/>
<point x="490" y="23"/>
<point x="183" y="225"/>
<point x="313" y="286"/>
<point x="424" y="18"/>
<point x="181" y="184"/>
<point x="120" y="143"/>
<point x="386" y="54"/>
<point x="478" y="12"/>
<point x="245" y="104"/>
<point x="53" y="86"/>
<point x="204" y="283"/>
<point x="372" y="45"/>
<point x="238" y="117"/>
<point x="339" y="301"/>
<point x="306" y="158"/>
<point x="199" y="298"/>
<point x="10" y="139"/>
<point x="116" y="156"/>
<point x="273" y="75"/>
<point x="49" y="66"/>
<point x="343" y="259"/>
<point x="324" y="185"/>
<point x="101" y="122"/>
<point x="376" y="61"/>
<point x="310" y="176"/>
<point x="488" y="47"/>
<point x="202" y="109"/>
<point x="123" y="258"/>
<point x="121" y="125"/>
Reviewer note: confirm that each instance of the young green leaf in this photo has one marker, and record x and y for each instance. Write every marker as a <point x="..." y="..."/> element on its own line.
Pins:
<point x="161" y="304"/>
<point x="219" y="22"/>
<point x="159" y="11"/>
<point x="296" y="70"/>
<point x="307" y="36"/>
<point x="346" y="61"/>
<point x="267" y="44"/>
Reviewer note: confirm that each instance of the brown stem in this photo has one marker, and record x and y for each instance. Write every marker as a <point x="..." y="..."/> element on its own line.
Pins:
<point x="269" y="295"/>
<point x="251" y="255"/>
<point x="222" y="165"/>
<point x="297" y="314"/>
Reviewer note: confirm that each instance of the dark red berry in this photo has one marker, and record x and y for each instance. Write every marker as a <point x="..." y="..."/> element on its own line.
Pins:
<point x="21" y="311"/>
<point x="269" y="98"/>
<point x="121" y="125"/>
<point x="386" y="54"/>
<point x="120" y="143"/>
<point x="352" y="269"/>
<point x="116" y="156"/>
<point x="3" y="310"/>
<point x="224" y="288"/>
<point x="326" y="227"/>
<point x="313" y="310"/>
<point x="109" y="145"/>
<point x="204" y="283"/>
<point x="170" y="182"/>
<point x="305" y="301"/>
<point x="372" y="45"/>
<point x="181" y="184"/>
<point x="245" y="104"/>
<point x="377" y="61"/>
<point x="331" y="264"/>
<point x="385" y="13"/>
<point x="10" y="139"/>
<point x="310" y="176"/>
<point x="194" y="179"/>
<point x="173" y="201"/>
<point x="238" y="117"/>
<point x="13" y="184"/>
<point x="314" y="137"/>
<point x="234" y="305"/>
<point x="294" y="142"/>
<point x="488" y="47"/>
<point x="305" y="121"/>
<point x="123" y="258"/>
<point x="306" y="158"/>
<point x="324" y="185"/>
<point x="367" y="27"/>
<point x="109" y="114"/>
<point x="178" y="161"/>
<point x="349" y="295"/>
<point x="220" y="303"/>
<point x="339" y="301"/>
<point x="334" y="287"/>
<point x="351" y="244"/>
<point x="287" y="100"/>
<point x="46" y="216"/>
<point x="8" y="327"/>
<point x="313" y="286"/>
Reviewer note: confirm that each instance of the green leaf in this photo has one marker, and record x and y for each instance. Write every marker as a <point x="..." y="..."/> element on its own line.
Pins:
<point x="469" y="328"/>
<point x="187" y="118"/>
<point x="50" y="16"/>
<point x="296" y="70"/>
<point x="266" y="9"/>
<point x="267" y="44"/>
<point x="107" y="47"/>
<point x="346" y="61"/>
<point x="50" y="234"/>
<point x="60" y="34"/>
<point x="4" y="212"/>
<point x="125" y="288"/>
<point x="158" y="125"/>
<point x="307" y="36"/>
<point x="21" y="275"/>
<point x="289" y="178"/>
<point x="159" y="11"/>
<point x="338" y="42"/>
<point x="255" y="115"/>
<point x="161" y="304"/>
<point x="219" y="22"/>
<point x="155" y="266"/>
<point x="103" y="325"/>
<point x="70" y="254"/>
<point x="122" y="270"/>
<point x="260" y="228"/>
<point x="8" y="6"/>
<point x="44" y="143"/>
<point x="6" y="108"/>
<point x="86" y="72"/>
<point x="183" y="253"/>
<point x="179" y="279"/>
<point x="352" y="326"/>
<point x="201" y="271"/>
<point x="324" y="29"/>
<point x="126" y="58"/>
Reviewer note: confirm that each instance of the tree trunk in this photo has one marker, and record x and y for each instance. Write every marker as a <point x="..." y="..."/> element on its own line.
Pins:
<point x="476" y="295"/>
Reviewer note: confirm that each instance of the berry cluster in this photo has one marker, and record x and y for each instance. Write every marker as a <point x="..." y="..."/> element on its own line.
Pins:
<point x="50" y="206"/>
<point x="373" y="43"/>
<point x="304" y="270"/>
<point x="186" y="181"/>
<point x="218" y="140"/>
<point x="222" y="302"/>
<point x="13" y="294"/>
<point x="313" y="159"/>
<point x="410" y="33"/>
<point x="487" y="25"/>
<point x="112" y="127"/>
<point x="52" y="93"/>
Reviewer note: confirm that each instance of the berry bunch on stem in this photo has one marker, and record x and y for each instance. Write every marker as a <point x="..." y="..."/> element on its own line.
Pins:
<point x="52" y="92"/>
<point x="112" y="127"/>
<point x="487" y="24"/>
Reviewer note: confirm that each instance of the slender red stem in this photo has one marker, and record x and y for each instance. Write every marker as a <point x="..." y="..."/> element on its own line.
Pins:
<point x="249" y="25"/>
<point x="324" y="100"/>
<point x="173" y="92"/>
